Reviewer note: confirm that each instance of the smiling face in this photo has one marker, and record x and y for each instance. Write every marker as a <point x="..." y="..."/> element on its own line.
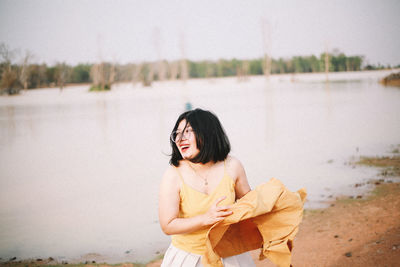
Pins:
<point x="186" y="141"/>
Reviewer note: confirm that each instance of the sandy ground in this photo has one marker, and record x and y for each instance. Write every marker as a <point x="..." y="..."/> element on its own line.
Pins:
<point x="351" y="232"/>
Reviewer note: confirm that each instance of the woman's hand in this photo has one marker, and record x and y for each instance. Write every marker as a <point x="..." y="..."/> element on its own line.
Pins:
<point x="216" y="213"/>
<point x="168" y="208"/>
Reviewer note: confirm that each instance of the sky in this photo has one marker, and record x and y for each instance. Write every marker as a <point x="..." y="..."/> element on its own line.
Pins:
<point x="134" y="31"/>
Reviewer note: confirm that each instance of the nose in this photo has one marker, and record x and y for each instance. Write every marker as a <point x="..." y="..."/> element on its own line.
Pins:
<point x="183" y="137"/>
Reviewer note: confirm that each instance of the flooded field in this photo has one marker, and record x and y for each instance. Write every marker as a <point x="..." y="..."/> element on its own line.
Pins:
<point x="79" y="171"/>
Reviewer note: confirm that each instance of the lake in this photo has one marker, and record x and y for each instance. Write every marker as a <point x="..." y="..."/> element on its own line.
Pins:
<point x="79" y="171"/>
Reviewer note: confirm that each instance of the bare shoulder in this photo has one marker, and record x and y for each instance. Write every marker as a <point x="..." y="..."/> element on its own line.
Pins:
<point x="170" y="178"/>
<point x="234" y="166"/>
<point x="236" y="169"/>
<point x="170" y="171"/>
<point x="234" y="163"/>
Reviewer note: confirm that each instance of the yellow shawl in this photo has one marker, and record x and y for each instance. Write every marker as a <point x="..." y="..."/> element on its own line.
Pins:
<point x="267" y="218"/>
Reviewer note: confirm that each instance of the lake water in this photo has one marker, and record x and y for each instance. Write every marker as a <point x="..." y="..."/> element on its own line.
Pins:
<point x="79" y="171"/>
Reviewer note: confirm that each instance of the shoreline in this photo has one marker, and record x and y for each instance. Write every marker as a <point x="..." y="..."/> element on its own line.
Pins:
<point x="312" y="77"/>
<point x="351" y="231"/>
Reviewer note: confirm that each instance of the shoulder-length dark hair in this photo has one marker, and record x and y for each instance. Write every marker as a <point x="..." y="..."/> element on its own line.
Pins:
<point x="211" y="139"/>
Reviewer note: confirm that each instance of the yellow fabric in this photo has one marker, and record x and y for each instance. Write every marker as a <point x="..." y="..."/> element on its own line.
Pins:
<point x="194" y="203"/>
<point x="267" y="218"/>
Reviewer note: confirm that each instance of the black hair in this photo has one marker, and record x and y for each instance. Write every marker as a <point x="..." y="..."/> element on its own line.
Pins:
<point x="211" y="139"/>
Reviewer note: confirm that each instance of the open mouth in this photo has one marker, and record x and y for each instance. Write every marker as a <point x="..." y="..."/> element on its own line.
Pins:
<point x="184" y="148"/>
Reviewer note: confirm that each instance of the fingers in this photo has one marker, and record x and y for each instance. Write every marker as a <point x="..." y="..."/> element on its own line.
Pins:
<point x="219" y="200"/>
<point x="221" y="208"/>
<point x="219" y="219"/>
<point x="222" y="215"/>
<point x="218" y="213"/>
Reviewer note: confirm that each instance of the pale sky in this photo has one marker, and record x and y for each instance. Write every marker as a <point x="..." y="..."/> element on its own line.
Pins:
<point x="125" y="31"/>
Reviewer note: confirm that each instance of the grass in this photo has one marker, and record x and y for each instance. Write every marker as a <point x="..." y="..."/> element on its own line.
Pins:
<point x="96" y="88"/>
<point x="158" y="257"/>
<point x="390" y="165"/>
<point x="348" y="200"/>
<point x="52" y="263"/>
<point x="385" y="189"/>
<point x="380" y="190"/>
<point x="392" y="79"/>
<point x="33" y="263"/>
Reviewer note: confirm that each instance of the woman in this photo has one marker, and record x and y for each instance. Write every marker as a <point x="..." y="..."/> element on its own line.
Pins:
<point x="198" y="188"/>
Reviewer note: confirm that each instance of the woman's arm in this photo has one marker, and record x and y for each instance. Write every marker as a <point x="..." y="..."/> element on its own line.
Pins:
<point x="168" y="208"/>
<point x="242" y="186"/>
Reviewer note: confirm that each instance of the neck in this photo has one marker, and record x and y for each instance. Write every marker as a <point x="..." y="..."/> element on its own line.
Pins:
<point x="200" y="166"/>
<point x="202" y="170"/>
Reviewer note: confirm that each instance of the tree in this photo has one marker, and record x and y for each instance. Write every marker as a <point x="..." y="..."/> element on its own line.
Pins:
<point x="256" y="67"/>
<point x="9" y="73"/>
<point x="38" y="75"/>
<point x="242" y="71"/>
<point x="25" y="68"/>
<point x="81" y="73"/>
<point x="160" y="66"/>
<point x="103" y="76"/>
<point x="61" y="74"/>
<point x="136" y="71"/>
<point x="184" y="72"/>
<point x="266" y="37"/>
<point x="173" y="70"/>
<point x="354" y="63"/>
<point x="315" y="64"/>
<point x="147" y="74"/>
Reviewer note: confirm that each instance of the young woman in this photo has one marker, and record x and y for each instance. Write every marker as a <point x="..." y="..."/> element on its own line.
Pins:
<point x="198" y="188"/>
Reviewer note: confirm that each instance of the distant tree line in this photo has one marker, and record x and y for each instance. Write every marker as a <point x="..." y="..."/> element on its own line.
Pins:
<point x="26" y="75"/>
<point x="298" y="64"/>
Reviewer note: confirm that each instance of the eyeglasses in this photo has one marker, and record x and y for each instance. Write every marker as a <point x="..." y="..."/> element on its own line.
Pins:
<point x="177" y="136"/>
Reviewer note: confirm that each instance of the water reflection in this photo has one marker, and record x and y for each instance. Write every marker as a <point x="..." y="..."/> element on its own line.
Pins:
<point x="269" y="121"/>
<point x="328" y="101"/>
<point x="10" y="125"/>
<point x="103" y="118"/>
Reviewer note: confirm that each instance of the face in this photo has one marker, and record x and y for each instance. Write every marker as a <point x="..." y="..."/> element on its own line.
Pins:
<point x="187" y="143"/>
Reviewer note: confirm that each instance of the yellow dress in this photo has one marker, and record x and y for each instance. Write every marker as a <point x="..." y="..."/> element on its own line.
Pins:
<point x="195" y="203"/>
<point x="267" y="218"/>
<point x="187" y="250"/>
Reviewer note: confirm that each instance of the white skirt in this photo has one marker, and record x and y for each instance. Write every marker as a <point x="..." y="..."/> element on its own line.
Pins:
<point x="175" y="257"/>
